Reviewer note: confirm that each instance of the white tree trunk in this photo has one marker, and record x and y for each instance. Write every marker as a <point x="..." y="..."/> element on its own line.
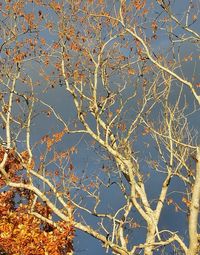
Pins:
<point x="150" y="239"/>
<point x="194" y="246"/>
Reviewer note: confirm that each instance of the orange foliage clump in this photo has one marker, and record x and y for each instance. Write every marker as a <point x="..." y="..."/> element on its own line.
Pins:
<point x="22" y="232"/>
<point x="12" y="165"/>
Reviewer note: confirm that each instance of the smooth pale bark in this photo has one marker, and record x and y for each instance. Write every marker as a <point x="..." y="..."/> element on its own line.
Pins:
<point x="148" y="250"/>
<point x="194" y="246"/>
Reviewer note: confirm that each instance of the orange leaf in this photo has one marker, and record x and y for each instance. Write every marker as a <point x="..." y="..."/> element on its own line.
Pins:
<point x="131" y="71"/>
<point x="139" y="4"/>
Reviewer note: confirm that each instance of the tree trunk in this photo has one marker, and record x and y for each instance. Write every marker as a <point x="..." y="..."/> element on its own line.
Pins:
<point x="194" y="245"/>
<point x="150" y="239"/>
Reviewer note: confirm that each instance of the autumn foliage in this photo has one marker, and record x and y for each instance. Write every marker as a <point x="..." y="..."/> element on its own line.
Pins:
<point x="99" y="132"/>
<point x="20" y="231"/>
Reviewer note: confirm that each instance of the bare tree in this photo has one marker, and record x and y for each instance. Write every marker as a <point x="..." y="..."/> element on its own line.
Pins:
<point x="121" y="79"/>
